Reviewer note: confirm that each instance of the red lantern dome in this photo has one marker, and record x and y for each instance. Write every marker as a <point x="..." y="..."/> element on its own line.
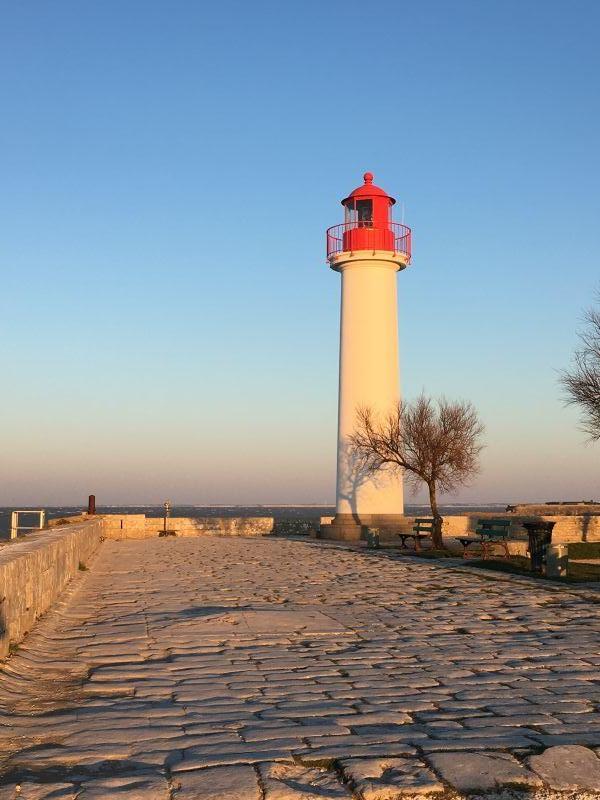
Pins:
<point x="368" y="223"/>
<point x="368" y="190"/>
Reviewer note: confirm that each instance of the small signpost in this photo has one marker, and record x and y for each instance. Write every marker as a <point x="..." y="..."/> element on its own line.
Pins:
<point x="165" y="531"/>
<point x="14" y="521"/>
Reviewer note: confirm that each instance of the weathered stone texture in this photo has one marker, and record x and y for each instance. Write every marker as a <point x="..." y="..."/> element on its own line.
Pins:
<point x="297" y="782"/>
<point x="390" y="778"/>
<point x="138" y="526"/>
<point x="35" y="569"/>
<point x="303" y="667"/>
<point x="575" y="528"/>
<point x="135" y="787"/>
<point x="567" y="528"/>
<point x="469" y="772"/>
<point x="568" y="767"/>
<point x="556" y="509"/>
<point x="239" y="782"/>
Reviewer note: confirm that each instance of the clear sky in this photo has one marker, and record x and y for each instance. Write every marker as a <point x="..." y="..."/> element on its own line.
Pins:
<point x="167" y="171"/>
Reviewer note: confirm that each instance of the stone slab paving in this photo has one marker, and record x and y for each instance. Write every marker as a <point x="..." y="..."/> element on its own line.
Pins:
<point x="228" y="669"/>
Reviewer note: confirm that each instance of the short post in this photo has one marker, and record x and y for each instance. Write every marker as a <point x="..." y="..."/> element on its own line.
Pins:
<point x="91" y="505"/>
<point x="373" y="542"/>
<point x="557" y="560"/>
<point x="14" y="525"/>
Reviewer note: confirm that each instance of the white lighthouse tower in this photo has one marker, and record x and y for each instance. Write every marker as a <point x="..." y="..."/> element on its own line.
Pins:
<point x="368" y="249"/>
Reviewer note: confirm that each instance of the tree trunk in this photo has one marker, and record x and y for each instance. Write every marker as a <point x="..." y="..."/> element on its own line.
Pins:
<point x="436" y="536"/>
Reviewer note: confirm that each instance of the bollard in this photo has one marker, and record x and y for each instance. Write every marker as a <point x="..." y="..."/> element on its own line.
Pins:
<point x="373" y="539"/>
<point x="91" y="505"/>
<point x="557" y="559"/>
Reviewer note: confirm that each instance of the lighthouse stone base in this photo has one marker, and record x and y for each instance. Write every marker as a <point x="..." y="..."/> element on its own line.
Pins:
<point x="353" y="527"/>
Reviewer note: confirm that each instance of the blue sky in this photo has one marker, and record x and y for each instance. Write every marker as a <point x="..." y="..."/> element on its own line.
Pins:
<point x="168" y="169"/>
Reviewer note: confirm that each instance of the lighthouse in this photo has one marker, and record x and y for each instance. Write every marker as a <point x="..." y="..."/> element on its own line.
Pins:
<point x="367" y="249"/>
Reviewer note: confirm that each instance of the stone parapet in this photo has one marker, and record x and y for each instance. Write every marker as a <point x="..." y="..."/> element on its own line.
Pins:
<point x="138" y="526"/>
<point x="556" y="509"/>
<point x="69" y="520"/>
<point x="351" y="527"/>
<point x="567" y="528"/>
<point x="34" y="571"/>
<point x="296" y="527"/>
<point x="124" y="526"/>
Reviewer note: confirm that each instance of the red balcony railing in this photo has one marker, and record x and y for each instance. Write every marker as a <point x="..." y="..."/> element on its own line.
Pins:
<point x="349" y="236"/>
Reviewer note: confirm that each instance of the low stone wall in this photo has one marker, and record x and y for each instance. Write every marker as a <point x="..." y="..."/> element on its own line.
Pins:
<point x="556" y="509"/>
<point x="70" y="520"/>
<point x="34" y="571"/>
<point x="138" y="526"/>
<point x="124" y="526"/>
<point x="567" y="528"/>
<point x="296" y="527"/>
<point x="575" y="528"/>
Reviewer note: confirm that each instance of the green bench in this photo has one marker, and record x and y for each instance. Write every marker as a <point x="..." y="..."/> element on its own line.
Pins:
<point x="422" y="529"/>
<point x="489" y="532"/>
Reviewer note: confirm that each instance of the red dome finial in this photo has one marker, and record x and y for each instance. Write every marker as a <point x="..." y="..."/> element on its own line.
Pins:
<point x="368" y="177"/>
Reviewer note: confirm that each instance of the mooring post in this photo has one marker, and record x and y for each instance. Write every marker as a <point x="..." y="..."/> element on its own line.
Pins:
<point x="91" y="505"/>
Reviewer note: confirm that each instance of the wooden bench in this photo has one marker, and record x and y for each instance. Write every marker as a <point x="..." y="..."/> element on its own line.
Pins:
<point x="488" y="533"/>
<point x="422" y="529"/>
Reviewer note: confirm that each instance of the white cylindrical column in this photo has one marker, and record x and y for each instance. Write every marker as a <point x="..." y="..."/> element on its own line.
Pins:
<point x="369" y="376"/>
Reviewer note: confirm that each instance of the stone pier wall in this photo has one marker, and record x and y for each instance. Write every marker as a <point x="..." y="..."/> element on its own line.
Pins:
<point x="36" y="568"/>
<point x="567" y="528"/>
<point x="138" y="526"/>
<point x="34" y="571"/>
<point x="574" y="528"/>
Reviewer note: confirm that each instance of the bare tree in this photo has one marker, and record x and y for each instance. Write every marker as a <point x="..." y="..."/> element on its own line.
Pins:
<point x="433" y="442"/>
<point x="582" y="381"/>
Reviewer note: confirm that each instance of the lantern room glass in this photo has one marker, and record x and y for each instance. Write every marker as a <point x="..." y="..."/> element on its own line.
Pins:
<point x="364" y="212"/>
<point x="358" y="213"/>
<point x="350" y="215"/>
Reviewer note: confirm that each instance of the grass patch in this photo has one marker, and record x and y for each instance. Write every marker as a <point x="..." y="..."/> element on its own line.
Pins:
<point x="519" y="565"/>
<point x="516" y="566"/>
<point x="82" y="567"/>
<point x="583" y="550"/>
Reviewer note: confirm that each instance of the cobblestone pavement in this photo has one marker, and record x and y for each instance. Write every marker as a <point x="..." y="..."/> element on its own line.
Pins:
<point x="233" y="669"/>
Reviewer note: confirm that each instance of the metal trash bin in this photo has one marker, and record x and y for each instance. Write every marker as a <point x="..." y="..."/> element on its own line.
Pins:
<point x="540" y="536"/>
